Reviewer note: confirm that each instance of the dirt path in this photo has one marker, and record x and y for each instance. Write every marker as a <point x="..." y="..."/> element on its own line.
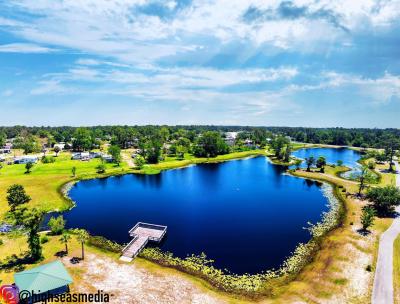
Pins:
<point x="128" y="159"/>
<point x="382" y="292"/>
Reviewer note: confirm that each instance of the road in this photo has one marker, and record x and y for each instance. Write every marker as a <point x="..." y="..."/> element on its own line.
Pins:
<point x="382" y="292"/>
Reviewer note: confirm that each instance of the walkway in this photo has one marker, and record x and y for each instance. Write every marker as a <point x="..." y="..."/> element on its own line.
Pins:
<point x="142" y="233"/>
<point x="382" y="292"/>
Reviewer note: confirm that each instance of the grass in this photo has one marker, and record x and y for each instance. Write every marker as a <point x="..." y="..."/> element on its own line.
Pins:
<point x="396" y="270"/>
<point x="44" y="182"/>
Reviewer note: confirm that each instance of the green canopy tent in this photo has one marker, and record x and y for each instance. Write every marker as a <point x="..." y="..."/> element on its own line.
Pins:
<point x="51" y="277"/>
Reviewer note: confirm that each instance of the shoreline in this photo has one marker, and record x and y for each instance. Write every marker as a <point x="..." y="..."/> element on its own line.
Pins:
<point x="330" y="220"/>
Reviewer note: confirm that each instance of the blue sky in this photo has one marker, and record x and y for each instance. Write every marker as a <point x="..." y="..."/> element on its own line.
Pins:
<point x="233" y="62"/>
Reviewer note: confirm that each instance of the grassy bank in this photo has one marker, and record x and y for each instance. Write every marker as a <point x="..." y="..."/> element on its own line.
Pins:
<point x="396" y="270"/>
<point x="45" y="181"/>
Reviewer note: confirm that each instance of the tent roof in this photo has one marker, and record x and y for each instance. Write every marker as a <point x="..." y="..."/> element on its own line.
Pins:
<point x="43" y="278"/>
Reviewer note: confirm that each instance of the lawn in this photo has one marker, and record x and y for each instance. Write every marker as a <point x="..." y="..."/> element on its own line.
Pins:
<point x="44" y="182"/>
<point x="396" y="270"/>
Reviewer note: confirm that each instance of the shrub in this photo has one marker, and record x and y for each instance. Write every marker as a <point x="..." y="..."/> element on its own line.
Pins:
<point x="44" y="239"/>
<point x="56" y="225"/>
<point x="368" y="268"/>
<point x="48" y="159"/>
<point x="1" y="242"/>
<point x="384" y="199"/>
<point x="103" y="243"/>
<point x="101" y="168"/>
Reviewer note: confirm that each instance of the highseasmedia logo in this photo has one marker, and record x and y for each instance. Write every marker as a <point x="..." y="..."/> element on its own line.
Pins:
<point x="9" y="294"/>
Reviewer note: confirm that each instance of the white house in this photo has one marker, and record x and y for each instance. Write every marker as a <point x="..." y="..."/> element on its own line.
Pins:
<point x="81" y="156"/>
<point x="25" y="159"/>
<point x="230" y="138"/>
<point x="60" y="145"/>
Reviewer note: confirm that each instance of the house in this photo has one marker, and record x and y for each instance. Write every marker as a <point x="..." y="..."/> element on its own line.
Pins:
<point x="108" y="158"/>
<point x="95" y="154"/>
<point x="43" y="281"/>
<point x="5" y="151"/>
<point x="60" y="145"/>
<point x="25" y="159"/>
<point x="81" y="156"/>
<point x="230" y="138"/>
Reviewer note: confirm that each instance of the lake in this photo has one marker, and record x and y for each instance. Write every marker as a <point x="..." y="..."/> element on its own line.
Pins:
<point x="332" y="155"/>
<point x="247" y="215"/>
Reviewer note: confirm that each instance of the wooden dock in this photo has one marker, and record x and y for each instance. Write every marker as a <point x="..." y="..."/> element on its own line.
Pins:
<point x="141" y="234"/>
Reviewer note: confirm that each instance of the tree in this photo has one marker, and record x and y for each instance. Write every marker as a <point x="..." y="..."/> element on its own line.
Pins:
<point x="139" y="161"/>
<point x="28" y="167"/>
<point x="392" y="144"/>
<point x="57" y="225"/>
<point x="152" y="150"/>
<point x="384" y="199"/>
<point x="57" y="150"/>
<point x="310" y="161"/>
<point x="298" y="163"/>
<point x="101" y="168"/>
<point x="380" y="158"/>
<point x="64" y="239"/>
<point x="210" y="144"/>
<point x="277" y="144"/>
<point x="363" y="177"/>
<point x="82" y="236"/>
<point x="371" y="165"/>
<point x="82" y="140"/>
<point x="367" y="217"/>
<point x="3" y="139"/>
<point x="115" y="152"/>
<point x="287" y="153"/>
<point x="31" y="220"/>
<point x="339" y="163"/>
<point x="321" y="163"/>
<point x="73" y="171"/>
<point x="16" y="196"/>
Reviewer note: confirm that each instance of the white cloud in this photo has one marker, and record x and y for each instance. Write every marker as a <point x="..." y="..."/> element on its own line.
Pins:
<point x="24" y="48"/>
<point x="7" y="93"/>
<point x="116" y="28"/>
<point x="49" y="87"/>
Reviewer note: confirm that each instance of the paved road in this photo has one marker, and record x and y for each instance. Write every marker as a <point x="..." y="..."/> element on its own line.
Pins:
<point x="382" y="292"/>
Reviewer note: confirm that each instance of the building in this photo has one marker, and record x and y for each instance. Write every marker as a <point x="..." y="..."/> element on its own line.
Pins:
<point x="230" y="138"/>
<point x="43" y="281"/>
<point x="60" y="145"/>
<point x="81" y="156"/>
<point x="26" y="159"/>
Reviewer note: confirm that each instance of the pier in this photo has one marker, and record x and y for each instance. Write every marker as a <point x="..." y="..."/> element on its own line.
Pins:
<point x="141" y="234"/>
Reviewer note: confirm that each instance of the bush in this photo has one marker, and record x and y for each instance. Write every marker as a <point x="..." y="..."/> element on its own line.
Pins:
<point x="56" y="225"/>
<point x="368" y="268"/>
<point x="384" y="199"/>
<point x="48" y="159"/>
<point x="44" y="239"/>
<point x="1" y="242"/>
<point x="101" y="168"/>
<point x="103" y="243"/>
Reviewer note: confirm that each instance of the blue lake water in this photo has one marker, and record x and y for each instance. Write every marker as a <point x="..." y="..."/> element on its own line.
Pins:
<point x="332" y="155"/>
<point x="245" y="214"/>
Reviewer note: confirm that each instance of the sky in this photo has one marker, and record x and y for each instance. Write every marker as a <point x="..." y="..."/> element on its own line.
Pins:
<point x="314" y="63"/>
